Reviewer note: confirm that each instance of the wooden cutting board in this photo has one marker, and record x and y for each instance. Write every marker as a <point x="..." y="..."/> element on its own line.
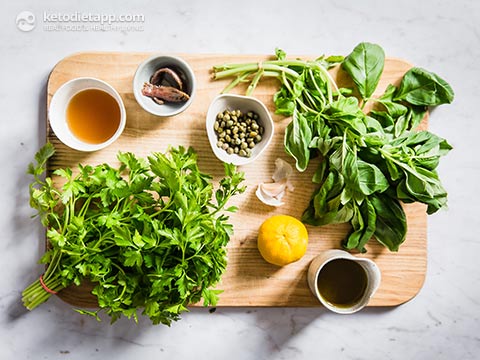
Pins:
<point x="249" y="280"/>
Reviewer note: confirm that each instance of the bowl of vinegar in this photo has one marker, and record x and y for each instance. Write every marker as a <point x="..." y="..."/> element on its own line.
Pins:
<point x="87" y="114"/>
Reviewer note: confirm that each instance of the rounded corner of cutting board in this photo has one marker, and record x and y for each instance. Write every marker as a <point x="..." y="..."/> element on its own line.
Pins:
<point x="409" y="297"/>
<point x="60" y="63"/>
<point x="418" y="289"/>
<point x="397" y="298"/>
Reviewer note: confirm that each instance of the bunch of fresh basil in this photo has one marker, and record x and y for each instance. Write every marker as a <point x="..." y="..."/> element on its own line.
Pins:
<point x="370" y="162"/>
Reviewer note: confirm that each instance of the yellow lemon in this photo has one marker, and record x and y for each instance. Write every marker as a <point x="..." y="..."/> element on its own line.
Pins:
<point x="282" y="239"/>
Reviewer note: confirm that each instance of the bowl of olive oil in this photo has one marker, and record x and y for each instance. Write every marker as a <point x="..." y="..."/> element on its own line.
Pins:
<point x="342" y="282"/>
<point x="87" y="114"/>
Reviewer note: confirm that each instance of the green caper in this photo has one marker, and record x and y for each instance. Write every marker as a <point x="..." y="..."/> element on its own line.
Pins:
<point x="238" y="132"/>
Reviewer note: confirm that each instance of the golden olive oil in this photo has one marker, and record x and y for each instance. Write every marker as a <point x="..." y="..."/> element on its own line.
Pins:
<point x="93" y="116"/>
<point x="342" y="282"/>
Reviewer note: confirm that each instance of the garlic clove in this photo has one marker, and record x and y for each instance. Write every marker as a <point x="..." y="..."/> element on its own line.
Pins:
<point x="283" y="170"/>
<point x="272" y="193"/>
<point x="274" y="189"/>
<point x="266" y="198"/>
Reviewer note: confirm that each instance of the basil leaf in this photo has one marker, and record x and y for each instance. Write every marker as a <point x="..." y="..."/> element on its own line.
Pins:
<point x="284" y="104"/>
<point x="370" y="178"/>
<point x="298" y="136"/>
<point x="369" y="213"/>
<point x="391" y="222"/>
<point x="326" y="201"/>
<point x="416" y="114"/>
<point x="345" y="114"/>
<point x="401" y="125"/>
<point x="421" y="87"/>
<point x="384" y="118"/>
<point x="394" y="109"/>
<point x="364" y="224"/>
<point x="365" y="66"/>
<point x="424" y="186"/>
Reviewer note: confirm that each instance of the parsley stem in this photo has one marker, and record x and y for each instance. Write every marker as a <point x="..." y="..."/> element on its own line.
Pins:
<point x="35" y="294"/>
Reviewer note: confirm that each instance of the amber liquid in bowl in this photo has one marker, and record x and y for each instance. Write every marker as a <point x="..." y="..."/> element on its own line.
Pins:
<point x="93" y="116"/>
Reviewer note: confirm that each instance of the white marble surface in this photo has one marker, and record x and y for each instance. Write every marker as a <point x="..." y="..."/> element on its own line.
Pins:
<point x="442" y="322"/>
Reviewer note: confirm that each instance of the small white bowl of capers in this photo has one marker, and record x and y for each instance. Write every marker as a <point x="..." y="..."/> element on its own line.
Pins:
<point x="239" y="128"/>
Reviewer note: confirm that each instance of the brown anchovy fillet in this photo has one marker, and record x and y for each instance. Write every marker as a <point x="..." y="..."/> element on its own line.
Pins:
<point x="166" y="75"/>
<point x="158" y="101"/>
<point x="166" y="93"/>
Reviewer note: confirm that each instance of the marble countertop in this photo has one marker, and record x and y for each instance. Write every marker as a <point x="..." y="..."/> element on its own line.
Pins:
<point x="441" y="322"/>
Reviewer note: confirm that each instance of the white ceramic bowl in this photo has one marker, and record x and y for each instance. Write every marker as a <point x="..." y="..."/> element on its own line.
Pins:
<point x="371" y="270"/>
<point x="145" y="71"/>
<point x="58" y="107"/>
<point x="244" y="104"/>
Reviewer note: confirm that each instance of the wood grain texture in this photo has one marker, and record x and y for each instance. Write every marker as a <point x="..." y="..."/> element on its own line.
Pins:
<point x="249" y="280"/>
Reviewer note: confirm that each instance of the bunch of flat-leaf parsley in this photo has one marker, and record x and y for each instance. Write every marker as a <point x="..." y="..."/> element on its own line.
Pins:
<point x="151" y="234"/>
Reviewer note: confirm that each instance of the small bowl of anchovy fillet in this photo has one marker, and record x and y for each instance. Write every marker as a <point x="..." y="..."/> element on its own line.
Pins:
<point x="164" y="85"/>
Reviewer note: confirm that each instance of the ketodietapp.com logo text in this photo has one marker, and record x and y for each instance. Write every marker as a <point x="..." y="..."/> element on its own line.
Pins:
<point x="82" y="21"/>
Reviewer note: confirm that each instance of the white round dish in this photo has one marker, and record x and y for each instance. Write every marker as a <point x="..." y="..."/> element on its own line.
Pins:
<point x="145" y="71"/>
<point x="244" y="104"/>
<point x="58" y="107"/>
